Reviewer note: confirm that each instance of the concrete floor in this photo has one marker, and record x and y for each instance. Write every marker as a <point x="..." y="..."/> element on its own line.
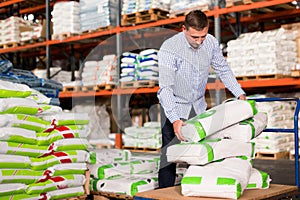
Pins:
<point x="281" y="171"/>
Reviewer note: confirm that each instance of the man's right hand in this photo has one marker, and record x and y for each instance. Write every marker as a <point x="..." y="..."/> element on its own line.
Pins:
<point x="177" y="129"/>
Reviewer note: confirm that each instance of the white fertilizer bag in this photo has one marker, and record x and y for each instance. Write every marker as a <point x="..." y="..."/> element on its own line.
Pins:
<point x="12" y="188"/>
<point x="258" y="180"/>
<point x="11" y="134"/>
<point x="218" y="118"/>
<point x="207" y="151"/>
<point x="66" y="193"/>
<point x="106" y="156"/>
<point x="127" y="185"/>
<point x="245" y="130"/>
<point x="9" y="89"/>
<point x="224" y="179"/>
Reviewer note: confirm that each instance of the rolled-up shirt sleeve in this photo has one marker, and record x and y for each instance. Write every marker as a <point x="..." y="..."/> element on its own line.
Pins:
<point x="224" y="71"/>
<point x="167" y="69"/>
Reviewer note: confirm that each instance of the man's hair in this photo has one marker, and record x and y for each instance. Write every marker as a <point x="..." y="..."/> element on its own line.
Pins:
<point x="196" y="19"/>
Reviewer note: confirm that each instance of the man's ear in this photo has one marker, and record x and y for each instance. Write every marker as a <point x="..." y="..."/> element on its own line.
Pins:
<point x="183" y="28"/>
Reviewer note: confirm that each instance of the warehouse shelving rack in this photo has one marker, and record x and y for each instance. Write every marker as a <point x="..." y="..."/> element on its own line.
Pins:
<point x="216" y="12"/>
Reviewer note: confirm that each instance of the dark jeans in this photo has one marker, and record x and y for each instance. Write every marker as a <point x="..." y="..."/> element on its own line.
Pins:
<point x="167" y="171"/>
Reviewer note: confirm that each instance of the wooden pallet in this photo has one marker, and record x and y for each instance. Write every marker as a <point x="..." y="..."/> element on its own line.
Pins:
<point x="71" y="88"/>
<point x="186" y="11"/>
<point x="97" y="87"/>
<point x="261" y="76"/>
<point x="230" y="3"/>
<point x="97" y="30"/>
<point x="103" y="146"/>
<point x="62" y="36"/>
<point x="142" y="149"/>
<point x="32" y="41"/>
<point x="272" y="156"/>
<point x="110" y="195"/>
<point x="138" y="84"/>
<point x="295" y="73"/>
<point x="83" y="197"/>
<point x="153" y="14"/>
<point x="9" y="45"/>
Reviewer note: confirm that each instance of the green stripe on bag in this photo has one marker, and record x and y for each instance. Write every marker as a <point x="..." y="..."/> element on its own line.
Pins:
<point x="200" y="130"/>
<point x="101" y="170"/>
<point x="209" y="149"/>
<point x="252" y="104"/>
<point x="134" y="187"/>
<point x="191" y="180"/>
<point x="238" y="190"/>
<point x="250" y="123"/>
<point x="264" y="176"/>
<point x="226" y="181"/>
<point x="251" y="185"/>
<point x="253" y="149"/>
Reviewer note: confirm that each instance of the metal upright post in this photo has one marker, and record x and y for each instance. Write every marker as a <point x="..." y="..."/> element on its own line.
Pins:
<point x="119" y="96"/>
<point x="217" y="29"/>
<point x="48" y="37"/>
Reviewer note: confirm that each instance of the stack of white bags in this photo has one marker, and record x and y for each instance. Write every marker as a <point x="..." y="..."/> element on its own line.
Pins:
<point x="139" y="66"/>
<point x="270" y="52"/>
<point x="44" y="152"/>
<point x="95" y="14"/>
<point x="146" y="136"/>
<point x="66" y="18"/>
<point x="100" y="72"/>
<point x="219" y="151"/>
<point x="120" y="172"/>
<point x="133" y="6"/>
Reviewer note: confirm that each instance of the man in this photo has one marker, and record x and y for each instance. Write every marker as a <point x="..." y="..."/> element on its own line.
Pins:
<point x="184" y="62"/>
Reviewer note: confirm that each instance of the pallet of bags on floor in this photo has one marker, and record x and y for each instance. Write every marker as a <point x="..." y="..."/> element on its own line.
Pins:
<point x="38" y="85"/>
<point x="219" y="151"/>
<point x="124" y="173"/>
<point x="147" y="137"/>
<point x="44" y="151"/>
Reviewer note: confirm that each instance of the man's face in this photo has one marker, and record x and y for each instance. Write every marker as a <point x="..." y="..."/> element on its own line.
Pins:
<point x="195" y="37"/>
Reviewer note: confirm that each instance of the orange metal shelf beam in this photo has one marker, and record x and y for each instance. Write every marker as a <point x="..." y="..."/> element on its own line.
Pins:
<point x="22" y="48"/>
<point x="117" y="91"/>
<point x="10" y="2"/>
<point x="251" y="6"/>
<point x="248" y="84"/>
<point x="293" y="82"/>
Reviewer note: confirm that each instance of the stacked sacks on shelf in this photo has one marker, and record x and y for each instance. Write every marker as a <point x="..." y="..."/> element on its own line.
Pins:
<point x="12" y="28"/>
<point x="121" y="172"/>
<point x="95" y="14"/>
<point x="147" y="136"/>
<point x="144" y="5"/>
<point x="39" y="156"/>
<point x="220" y="159"/>
<point x="148" y="65"/>
<point x="47" y="87"/>
<point x="180" y="6"/>
<point x="133" y="6"/>
<point x="260" y="53"/>
<point x="65" y="17"/>
<point x="102" y="72"/>
<point x="142" y="66"/>
<point x="129" y="7"/>
<point x="129" y="62"/>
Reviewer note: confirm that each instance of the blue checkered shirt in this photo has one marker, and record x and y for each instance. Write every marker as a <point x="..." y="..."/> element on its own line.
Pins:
<point x="183" y="74"/>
